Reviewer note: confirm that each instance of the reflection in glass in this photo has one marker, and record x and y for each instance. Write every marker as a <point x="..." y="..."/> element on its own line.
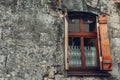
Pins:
<point x="74" y="25"/>
<point x="74" y="52"/>
<point x="90" y="52"/>
<point x="89" y="26"/>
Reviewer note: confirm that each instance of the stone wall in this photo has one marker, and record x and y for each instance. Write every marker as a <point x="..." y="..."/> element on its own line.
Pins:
<point x="114" y="30"/>
<point x="94" y="6"/>
<point x="32" y="41"/>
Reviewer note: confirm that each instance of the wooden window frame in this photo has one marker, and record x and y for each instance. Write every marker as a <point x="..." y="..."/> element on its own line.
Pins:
<point x="91" y="71"/>
<point x="83" y="35"/>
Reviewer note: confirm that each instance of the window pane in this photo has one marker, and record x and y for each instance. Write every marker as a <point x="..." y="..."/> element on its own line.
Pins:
<point x="90" y="52"/>
<point x="74" y="51"/>
<point x="89" y="26"/>
<point x="74" y="25"/>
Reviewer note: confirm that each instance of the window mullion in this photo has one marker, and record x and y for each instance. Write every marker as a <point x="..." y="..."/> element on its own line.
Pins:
<point x="82" y="44"/>
<point x="82" y="52"/>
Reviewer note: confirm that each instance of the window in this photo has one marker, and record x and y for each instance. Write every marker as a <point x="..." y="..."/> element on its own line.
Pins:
<point x="82" y="45"/>
<point x="86" y="44"/>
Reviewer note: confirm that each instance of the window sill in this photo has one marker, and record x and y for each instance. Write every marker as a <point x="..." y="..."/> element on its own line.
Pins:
<point x="88" y="73"/>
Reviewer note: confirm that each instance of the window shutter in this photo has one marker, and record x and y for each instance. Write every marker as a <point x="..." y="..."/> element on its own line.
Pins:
<point x="105" y="58"/>
<point x="66" y="44"/>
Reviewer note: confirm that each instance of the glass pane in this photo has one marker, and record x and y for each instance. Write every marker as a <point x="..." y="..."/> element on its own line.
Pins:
<point x="90" y="52"/>
<point x="89" y="26"/>
<point x="74" y="52"/>
<point x="74" y="25"/>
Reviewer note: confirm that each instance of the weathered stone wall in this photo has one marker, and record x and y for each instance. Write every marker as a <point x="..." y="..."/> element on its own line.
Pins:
<point x="114" y="35"/>
<point x="32" y="41"/>
<point x="94" y="6"/>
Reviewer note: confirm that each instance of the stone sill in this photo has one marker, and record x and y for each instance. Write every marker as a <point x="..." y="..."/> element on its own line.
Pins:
<point x="88" y="73"/>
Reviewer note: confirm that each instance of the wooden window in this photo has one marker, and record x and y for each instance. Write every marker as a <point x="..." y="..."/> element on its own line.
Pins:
<point x="86" y="43"/>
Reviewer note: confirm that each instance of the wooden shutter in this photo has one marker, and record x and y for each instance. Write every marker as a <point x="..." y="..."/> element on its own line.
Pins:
<point x="66" y="44"/>
<point x="105" y="57"/>
<point x="98" y="42"/>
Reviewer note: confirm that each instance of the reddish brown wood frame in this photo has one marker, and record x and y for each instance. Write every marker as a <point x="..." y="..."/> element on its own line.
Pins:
<point x="83" y="35"/>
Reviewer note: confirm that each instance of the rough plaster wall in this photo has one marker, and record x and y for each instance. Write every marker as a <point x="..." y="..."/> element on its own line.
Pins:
<point x="114" y="35"/>
<point x="32" y="40"/>
<point x="94" y="6"/>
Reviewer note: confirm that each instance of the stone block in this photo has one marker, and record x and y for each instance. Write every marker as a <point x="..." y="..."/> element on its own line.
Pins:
<point x="45" y="78"/>
<point x="3" y="79"/>
<point x="59" y="77"/>
<point x="2" y="58"/>
<point x="115" y="42"/>
<point x="52" y="72"/>
<point x="117" y="54"/>
<point x="50" y="79"/>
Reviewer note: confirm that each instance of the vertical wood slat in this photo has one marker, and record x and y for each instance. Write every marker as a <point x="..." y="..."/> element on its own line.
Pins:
<point x="98" y="44"/>
<point x="66" y="45"/>
<point x="105" y="46"/>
